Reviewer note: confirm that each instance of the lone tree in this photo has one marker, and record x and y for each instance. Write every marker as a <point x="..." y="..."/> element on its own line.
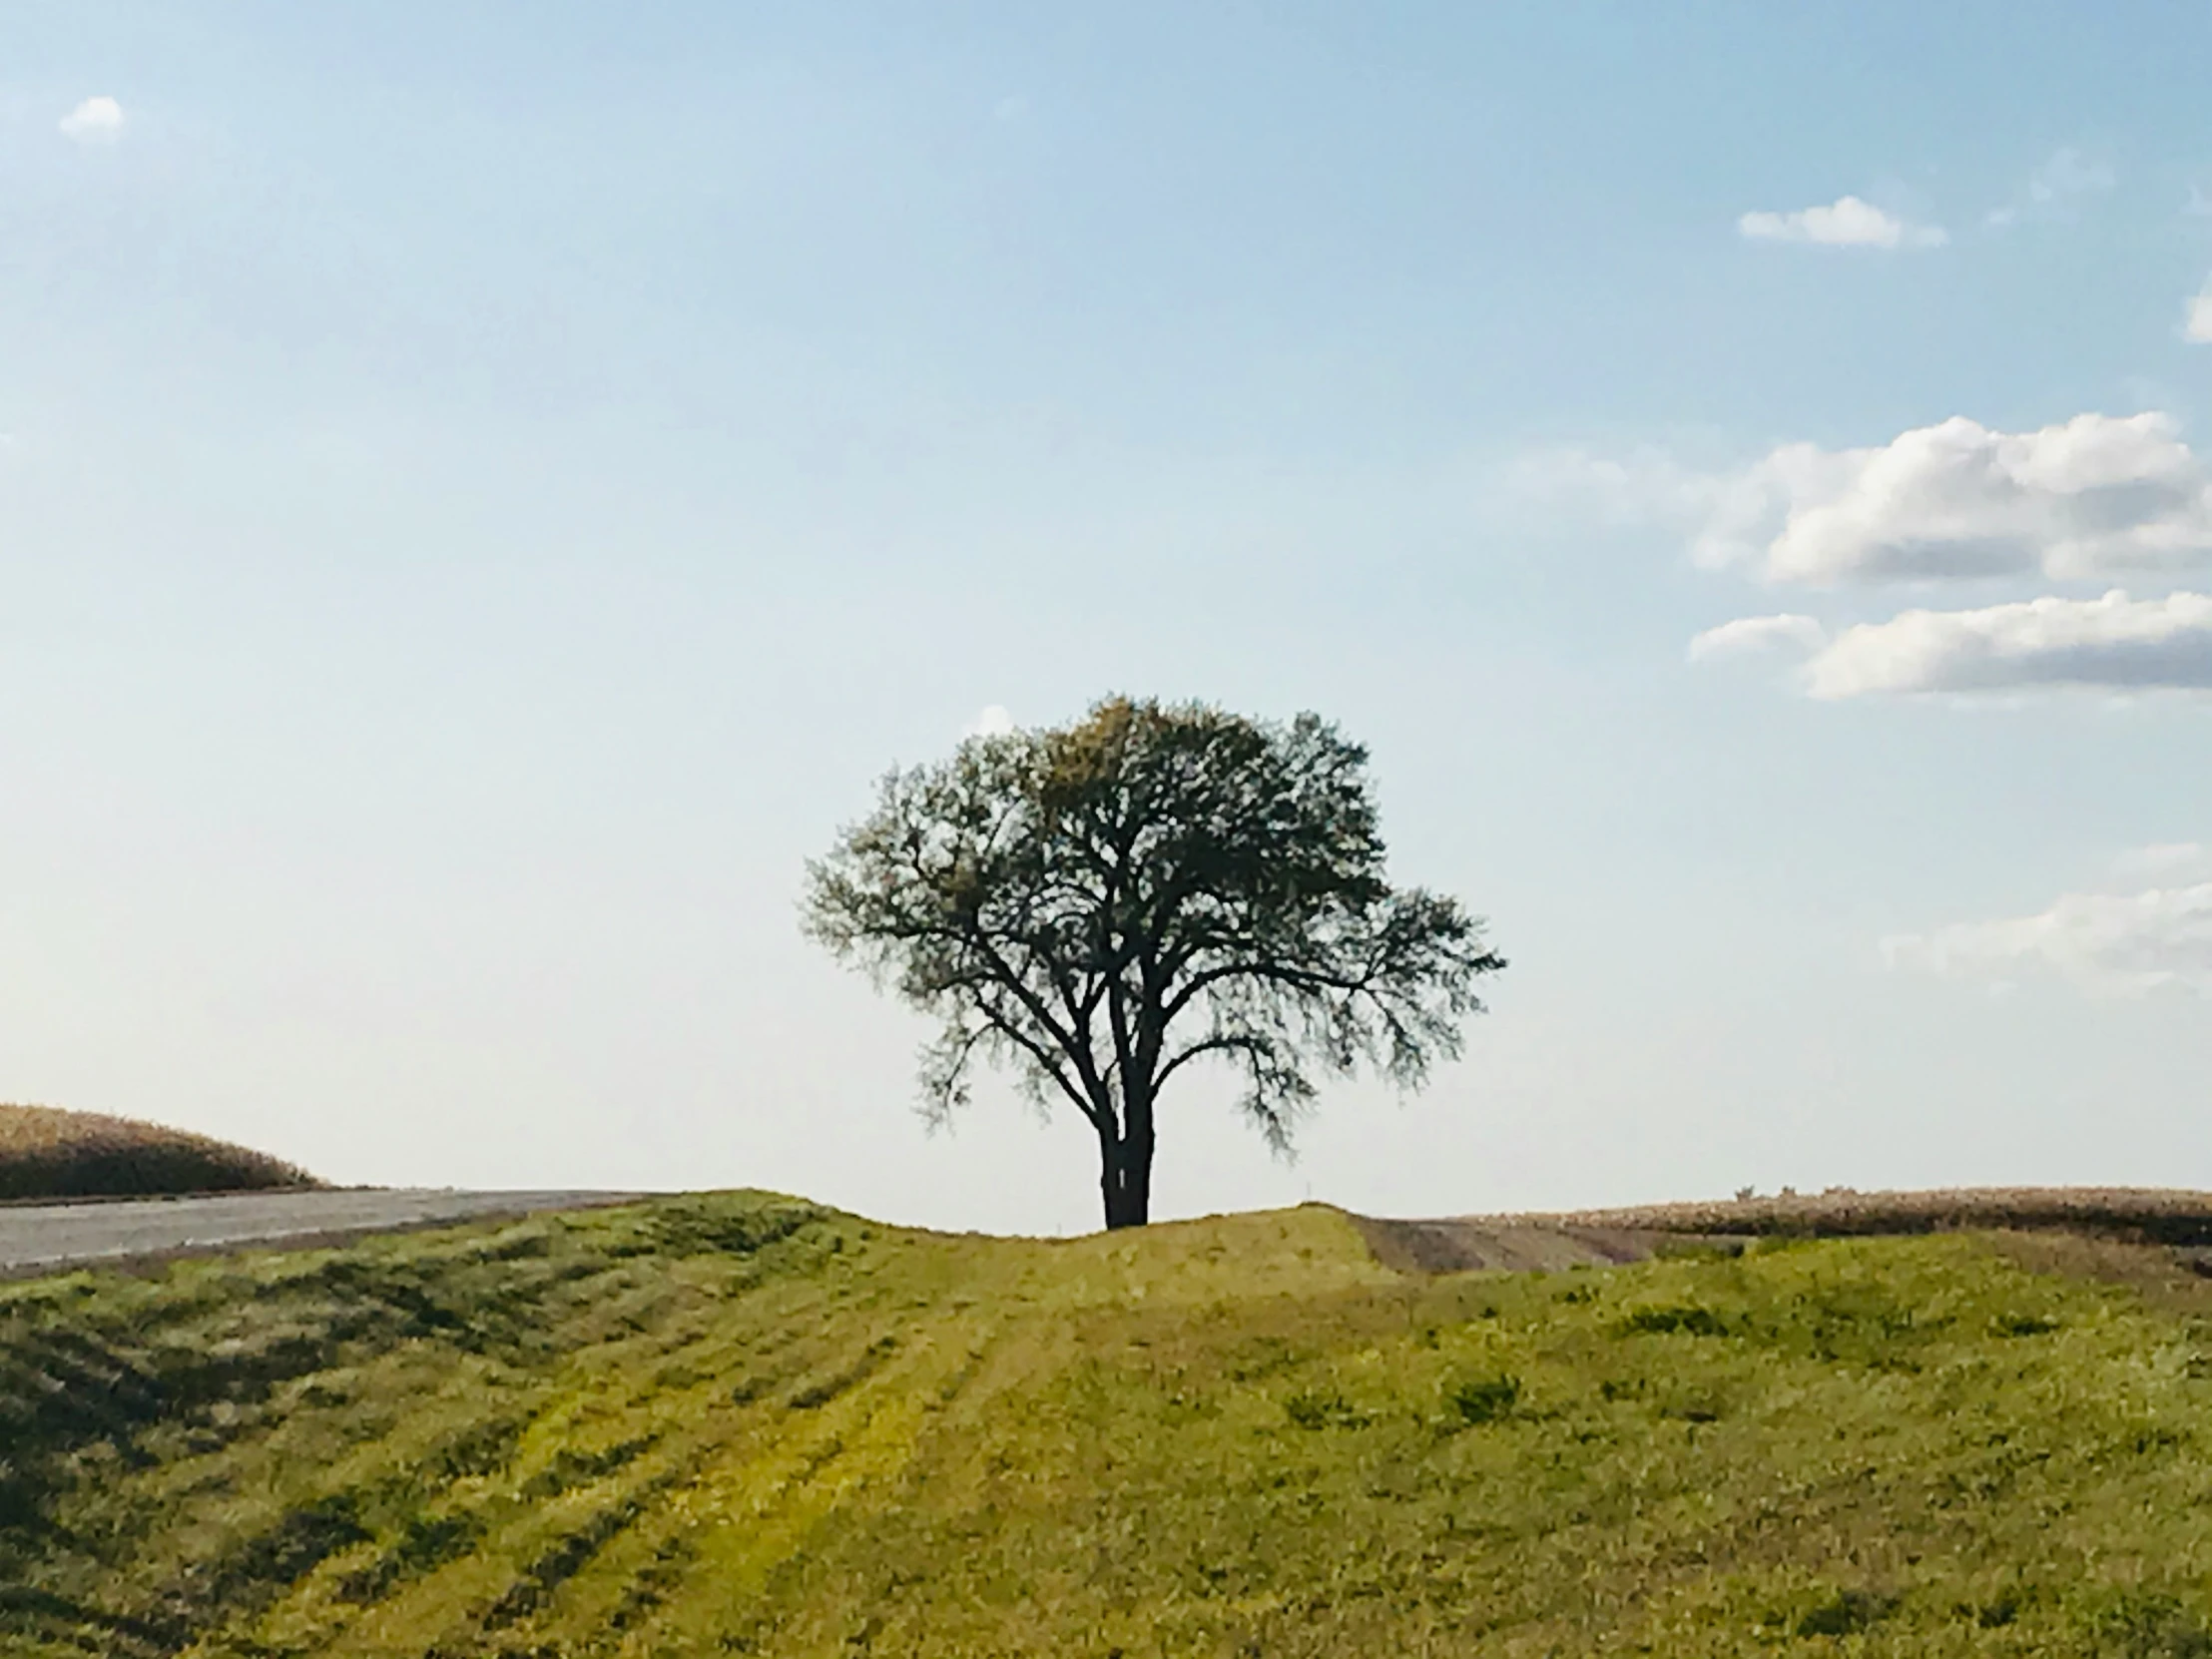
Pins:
<point x="1158" y="885"/>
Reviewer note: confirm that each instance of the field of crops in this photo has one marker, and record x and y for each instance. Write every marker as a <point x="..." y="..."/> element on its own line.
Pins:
<point x="2165" y="1215"/>
<point x="46" y="1152"/>
<point x="744" y="1425"/>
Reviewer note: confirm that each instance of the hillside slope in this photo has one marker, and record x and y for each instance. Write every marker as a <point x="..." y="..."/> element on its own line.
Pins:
<point x="743" y="1424"/>
<point x="46" y="1152"/>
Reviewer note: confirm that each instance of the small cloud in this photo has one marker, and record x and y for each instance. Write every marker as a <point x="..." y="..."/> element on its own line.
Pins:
<point x="1644" y="484"/>
<point x="2052" y="187"/>
<point x="1011" y="108"/>
<point x="2108" y="944"/>
<point x="2068" y="173"/>
<point x="95" y="121"/>
<point x="2094" y="496"/>
<point x="1749" y="634"/>
<point x="994" y="722"/>
<point x="2112" y="644"/>
<point x="1846" y="223"/>
<point x="2196" y="318"/>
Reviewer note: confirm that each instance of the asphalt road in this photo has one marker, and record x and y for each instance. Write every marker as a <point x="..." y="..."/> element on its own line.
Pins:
<point x="46" y="1238"/>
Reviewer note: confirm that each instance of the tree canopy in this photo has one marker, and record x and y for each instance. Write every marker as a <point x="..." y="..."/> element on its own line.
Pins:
<point x="1104" y="904"/>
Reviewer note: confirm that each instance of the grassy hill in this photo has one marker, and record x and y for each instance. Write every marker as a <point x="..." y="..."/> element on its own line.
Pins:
<point x="744" y="1425"/>
<point x="46" y="1152"/>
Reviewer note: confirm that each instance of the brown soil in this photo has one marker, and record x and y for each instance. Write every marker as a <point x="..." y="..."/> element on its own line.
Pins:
<point x="1507" y="1243"/>
<point x="2123" y="1215"/>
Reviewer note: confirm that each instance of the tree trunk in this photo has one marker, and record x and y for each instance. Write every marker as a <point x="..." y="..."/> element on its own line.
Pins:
<point x="1125" y="1177"/>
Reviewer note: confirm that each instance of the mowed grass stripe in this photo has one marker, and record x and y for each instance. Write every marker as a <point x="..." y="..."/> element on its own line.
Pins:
<point x="727" y="1453"/>
<point x="534" y="1552"/>
<point x="581" y="1555"/>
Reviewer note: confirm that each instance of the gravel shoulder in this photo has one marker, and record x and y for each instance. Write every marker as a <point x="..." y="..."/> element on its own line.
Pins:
<point x="48" y="1237"/>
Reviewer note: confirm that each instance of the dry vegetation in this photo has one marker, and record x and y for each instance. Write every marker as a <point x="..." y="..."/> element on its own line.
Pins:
<point x="2151" y="1215"/>
<point x="46" y="1152"/>
<point x="1601" y="1238"/>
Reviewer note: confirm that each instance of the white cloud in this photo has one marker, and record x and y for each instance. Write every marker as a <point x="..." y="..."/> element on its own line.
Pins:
<point x="1846" y="222"/>
<point x="2114" y="643"/>
<point x="2196" y="317"/>
<point x="95" y="121"/>
<point x="2097" y="497"/>
<point x="992" y="721"/>
<point x="1749" y="634"/>
<point x="2110" y="945"/>
<point x="2094" y="496"/>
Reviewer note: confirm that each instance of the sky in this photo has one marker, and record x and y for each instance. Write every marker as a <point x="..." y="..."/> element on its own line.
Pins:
<point x="484" y="493"/>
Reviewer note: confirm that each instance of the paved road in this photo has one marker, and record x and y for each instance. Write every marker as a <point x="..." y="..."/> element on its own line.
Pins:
<point x="45" y="1238"/>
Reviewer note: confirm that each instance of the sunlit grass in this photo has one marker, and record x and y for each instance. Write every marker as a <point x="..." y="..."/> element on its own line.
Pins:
<point x="744" y="1424"/>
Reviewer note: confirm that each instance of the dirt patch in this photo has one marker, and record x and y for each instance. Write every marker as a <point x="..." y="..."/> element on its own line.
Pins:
<point x="1474" y="1245"/>
<point x="2140" y="1215"/>
<point x="2176" y="1277"/>
<point x="2124" y="1218"/>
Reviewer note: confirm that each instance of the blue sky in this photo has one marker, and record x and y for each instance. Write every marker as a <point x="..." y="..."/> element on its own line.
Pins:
<point x="485" y="492"/>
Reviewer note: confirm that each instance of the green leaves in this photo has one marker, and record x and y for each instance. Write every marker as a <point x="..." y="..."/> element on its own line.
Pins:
<point x="1154" y="887"/>
<point x="1683" y="1319"/>
<point x="1480" y="1400"/>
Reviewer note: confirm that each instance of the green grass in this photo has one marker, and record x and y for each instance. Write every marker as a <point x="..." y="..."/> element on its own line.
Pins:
<point x="744" y="1425"/>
